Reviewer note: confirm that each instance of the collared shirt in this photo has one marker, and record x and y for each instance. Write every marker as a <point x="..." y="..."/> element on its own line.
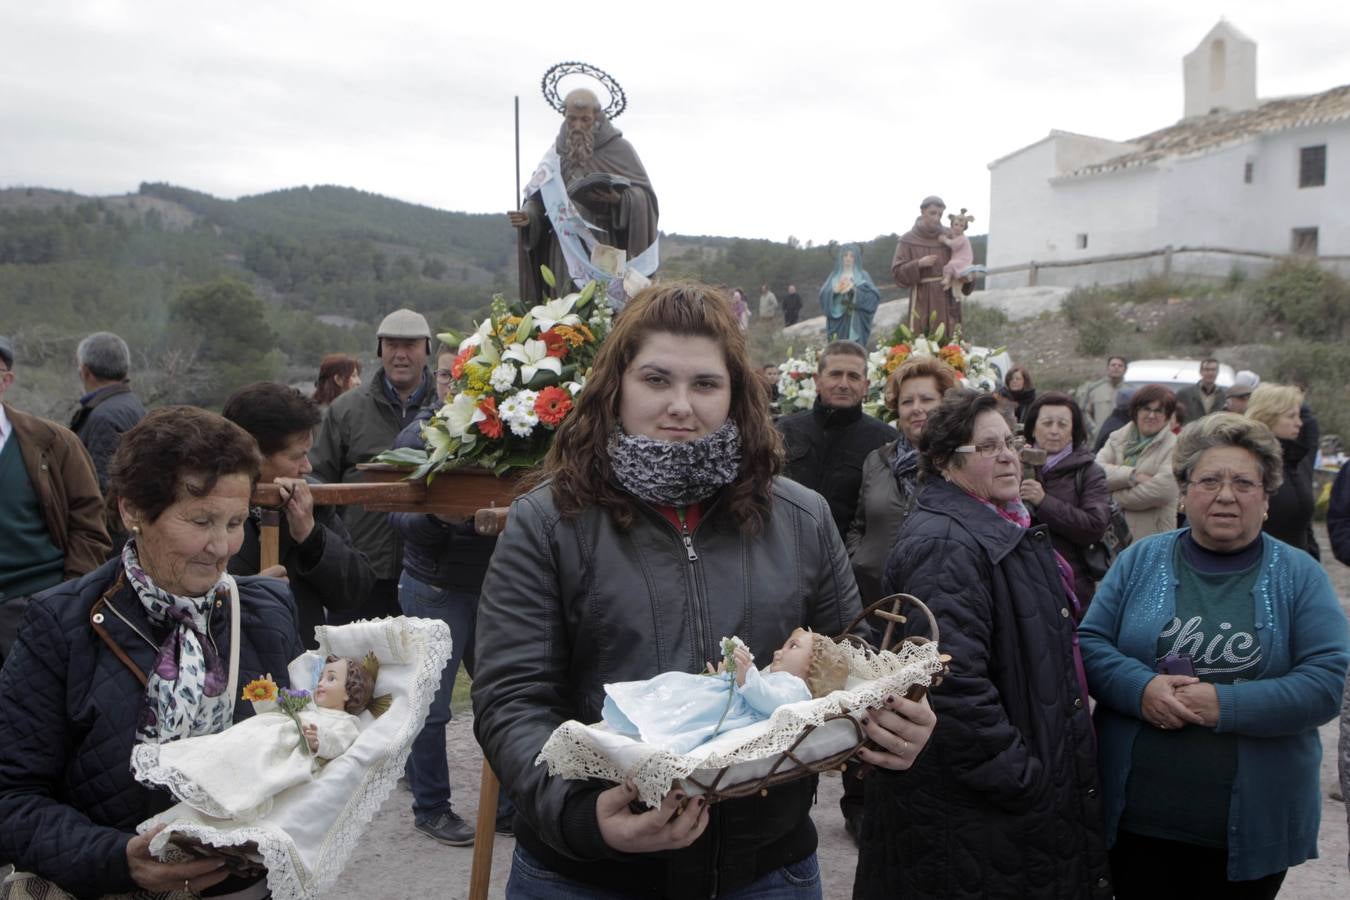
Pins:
<point x="407" y="408"/>
<point x="5" y="428"/>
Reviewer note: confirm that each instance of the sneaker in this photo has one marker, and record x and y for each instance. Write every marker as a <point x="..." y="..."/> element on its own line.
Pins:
<point x="506" y="824"/>
<point x="448" y="828"/>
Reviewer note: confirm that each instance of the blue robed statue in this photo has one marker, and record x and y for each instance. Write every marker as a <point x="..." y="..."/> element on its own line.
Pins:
<point x="849" y="298"/>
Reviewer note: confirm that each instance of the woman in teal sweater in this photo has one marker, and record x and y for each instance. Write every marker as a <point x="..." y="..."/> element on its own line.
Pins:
<point x="1214" y="653"/>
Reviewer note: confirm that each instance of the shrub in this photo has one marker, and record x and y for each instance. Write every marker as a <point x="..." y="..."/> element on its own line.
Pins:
<point x="1093" y="312"/>
<point x="983" y="325"/>
<point x="1312" y="301"/>
<point x="1325" y="370"/>
<point x="1210" y="321"/>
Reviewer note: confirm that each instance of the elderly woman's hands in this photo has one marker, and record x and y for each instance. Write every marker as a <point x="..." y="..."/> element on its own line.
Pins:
<point x="1163" y="707"/>
<point x="901" y="728"/>
<point x="1032" y="491"/>
<point x="161" y="877"/>
<point x="676" y="823"/>
<point x="1203" y="700"/>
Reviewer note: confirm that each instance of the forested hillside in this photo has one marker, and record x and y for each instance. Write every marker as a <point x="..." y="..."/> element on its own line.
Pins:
<point x="323" y="264"/>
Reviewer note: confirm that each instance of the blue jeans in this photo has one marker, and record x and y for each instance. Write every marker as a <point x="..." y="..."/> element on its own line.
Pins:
<point x="531" y="881"/>
<point x="428" y="769"/>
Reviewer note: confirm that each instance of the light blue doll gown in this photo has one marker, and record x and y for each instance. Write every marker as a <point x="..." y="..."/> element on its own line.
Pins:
<point x="677" y="711"/>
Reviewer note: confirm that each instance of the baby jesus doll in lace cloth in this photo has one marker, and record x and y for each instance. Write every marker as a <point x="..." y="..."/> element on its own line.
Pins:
<point x="236" y="773"/>
<point x="678" y="711"/>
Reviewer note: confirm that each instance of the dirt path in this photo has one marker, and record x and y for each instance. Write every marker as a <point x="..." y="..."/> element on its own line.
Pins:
<point x="396" y="862"/>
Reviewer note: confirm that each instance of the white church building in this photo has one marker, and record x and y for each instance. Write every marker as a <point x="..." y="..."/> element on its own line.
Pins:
<point x="1264" y="177"/>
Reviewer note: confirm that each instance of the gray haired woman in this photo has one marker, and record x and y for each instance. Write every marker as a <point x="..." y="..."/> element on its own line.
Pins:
<point x="1214" y="653"/>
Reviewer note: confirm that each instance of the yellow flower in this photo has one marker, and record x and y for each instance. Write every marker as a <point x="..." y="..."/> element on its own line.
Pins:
<point x="260" y="689"/>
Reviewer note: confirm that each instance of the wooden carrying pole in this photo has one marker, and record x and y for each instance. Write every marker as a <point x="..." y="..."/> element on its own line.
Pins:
<point x="468" y="494"/>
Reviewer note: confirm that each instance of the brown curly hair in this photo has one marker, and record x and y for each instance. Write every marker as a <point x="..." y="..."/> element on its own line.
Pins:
<point x="942" y="374"/>
<point x="174" y="450"/>
<point x="578" y="461"/>
<point x="360" y="684"/>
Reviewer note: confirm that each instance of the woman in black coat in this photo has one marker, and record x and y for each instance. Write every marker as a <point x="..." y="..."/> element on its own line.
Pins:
<point x="1070" y="495"/>
<point x="1004" y="800"/>
<point x="1279" y="408"/>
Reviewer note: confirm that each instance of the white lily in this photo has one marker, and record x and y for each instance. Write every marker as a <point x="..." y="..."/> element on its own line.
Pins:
<point x="532" y="356"/>
<point x="459" y="414"/>
<point x="556" y="312"/>
<point x="479" y="337"/>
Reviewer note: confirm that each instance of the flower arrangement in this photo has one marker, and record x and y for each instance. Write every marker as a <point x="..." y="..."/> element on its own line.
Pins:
<point x="264" y="690"/>
<point x="971" y="362"/>
<point x="514" y="381"/>
<point x="797" y="382"/>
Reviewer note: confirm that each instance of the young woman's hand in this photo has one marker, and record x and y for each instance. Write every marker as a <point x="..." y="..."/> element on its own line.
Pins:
<point x="676" y="823"/>
<point x="901" y="728"/>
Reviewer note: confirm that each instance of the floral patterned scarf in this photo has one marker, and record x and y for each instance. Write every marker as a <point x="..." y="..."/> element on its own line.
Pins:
<point x="186" y="694"/>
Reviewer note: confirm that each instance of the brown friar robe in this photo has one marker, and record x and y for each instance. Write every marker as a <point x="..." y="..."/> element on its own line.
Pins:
<point x="929" y="304"/>
<point x="629" y="224"/>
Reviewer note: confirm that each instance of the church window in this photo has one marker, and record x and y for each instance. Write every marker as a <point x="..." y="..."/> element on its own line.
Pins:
<point x="1080" y="240"/>
<point x="1248" y="171"/>
<point x="1312" y="166"/>
<point x="1304" y="241"/>
<point x="1218" y="68"/>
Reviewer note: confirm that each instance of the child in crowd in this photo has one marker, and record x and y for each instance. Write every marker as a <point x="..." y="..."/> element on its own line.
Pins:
<point x="678" y="711"/>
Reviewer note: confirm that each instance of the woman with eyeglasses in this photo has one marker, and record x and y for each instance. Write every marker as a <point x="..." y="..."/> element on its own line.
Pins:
<point x="1214" y="653"/>
<point x="1137" y="460"/>
<point x="1004" y="801"/>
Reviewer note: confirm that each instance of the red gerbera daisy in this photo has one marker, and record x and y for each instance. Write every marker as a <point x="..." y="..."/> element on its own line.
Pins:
<point x="552" y="405"/>
<point x="556" y="343"/>
<point x="491" y="427"/>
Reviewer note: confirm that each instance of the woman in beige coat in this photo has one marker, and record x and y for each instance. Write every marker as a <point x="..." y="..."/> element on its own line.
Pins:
<point x="1138" y="463"/>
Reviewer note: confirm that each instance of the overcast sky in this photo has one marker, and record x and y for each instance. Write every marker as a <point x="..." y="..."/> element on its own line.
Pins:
<point x="823" y="121"/>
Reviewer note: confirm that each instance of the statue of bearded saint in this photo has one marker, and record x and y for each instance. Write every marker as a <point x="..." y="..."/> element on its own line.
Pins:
<point x="621" y="211"/>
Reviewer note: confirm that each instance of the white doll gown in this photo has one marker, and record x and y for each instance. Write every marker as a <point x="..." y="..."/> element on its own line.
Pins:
<point x="677" y="711"/>
<point x="236" y="773"/>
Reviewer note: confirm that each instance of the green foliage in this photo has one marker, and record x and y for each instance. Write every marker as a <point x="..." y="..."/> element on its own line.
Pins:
<point x="224" y="324"/>
<point x="1298" y="293"/>
<point x="1093" y="312"/>
<point x="1211" y="321"/>
<point x="983" y="325"/>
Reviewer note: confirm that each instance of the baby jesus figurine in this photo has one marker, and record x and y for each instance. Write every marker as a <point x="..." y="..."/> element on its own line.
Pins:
<point x="236" y="773"/>
<point x="678" y="711"/>
<point x="962" y="263"/>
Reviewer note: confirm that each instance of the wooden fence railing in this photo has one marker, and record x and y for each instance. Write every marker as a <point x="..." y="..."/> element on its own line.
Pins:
<point x="1167" y="253"/>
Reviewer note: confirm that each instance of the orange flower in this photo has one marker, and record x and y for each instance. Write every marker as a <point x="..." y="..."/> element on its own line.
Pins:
<point x="491" y="427"/>
<point x="952" y="356"/>
<point x="552" y="405"/>
<point x="457" y="370"/>
<point x="260" y="689"/>
<point x="555" y="342"/>
<point x="576" y="335"/>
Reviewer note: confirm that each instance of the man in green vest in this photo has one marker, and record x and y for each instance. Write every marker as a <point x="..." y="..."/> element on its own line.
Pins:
<point x="51" y="510"/>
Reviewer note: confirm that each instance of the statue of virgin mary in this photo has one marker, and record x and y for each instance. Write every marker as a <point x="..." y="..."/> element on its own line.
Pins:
<point x="849" y="298"/>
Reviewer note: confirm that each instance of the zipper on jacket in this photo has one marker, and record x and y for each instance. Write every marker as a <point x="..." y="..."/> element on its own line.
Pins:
<point x="115" y="611"/>
<point x="685" y="535"/>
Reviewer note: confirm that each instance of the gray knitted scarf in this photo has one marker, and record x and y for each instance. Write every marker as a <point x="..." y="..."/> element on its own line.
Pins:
<point x="676" y="473"/>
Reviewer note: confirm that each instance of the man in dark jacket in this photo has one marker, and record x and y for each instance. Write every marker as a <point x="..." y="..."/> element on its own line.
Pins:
<point x="1204" y="397"/>
<point x="108" y="408"/>
<point x="827" y="444"/>
<point x="51" y="510"/>
<point x="826" y="448"/>
<point x="360" y="425"/>
<point x="317" y="556"/>
<point x="792" y="306"/>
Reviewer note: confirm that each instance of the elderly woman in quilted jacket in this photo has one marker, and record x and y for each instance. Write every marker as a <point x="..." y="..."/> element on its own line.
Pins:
<point x="138" y="650"/>
<point x="1004" y="802"/>
<point x="660" y="528"/>
<point x="1214" y="653"/>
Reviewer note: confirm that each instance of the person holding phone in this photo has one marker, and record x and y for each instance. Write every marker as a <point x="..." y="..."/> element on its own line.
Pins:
<point x="1214" y="653"/>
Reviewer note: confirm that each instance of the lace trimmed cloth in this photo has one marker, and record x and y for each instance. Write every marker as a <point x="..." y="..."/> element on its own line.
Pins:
<point x="579" y="751"/>
<point x="311" y="830"/>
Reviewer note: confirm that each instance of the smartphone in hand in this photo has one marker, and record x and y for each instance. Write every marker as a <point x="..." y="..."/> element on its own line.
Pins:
<point x="1176" y="664"/>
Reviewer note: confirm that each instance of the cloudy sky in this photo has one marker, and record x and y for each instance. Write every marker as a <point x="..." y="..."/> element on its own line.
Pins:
<point x="819" y="120"/>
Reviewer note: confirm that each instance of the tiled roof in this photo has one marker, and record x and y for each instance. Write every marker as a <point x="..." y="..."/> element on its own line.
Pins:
<point x="1203" y="133"/>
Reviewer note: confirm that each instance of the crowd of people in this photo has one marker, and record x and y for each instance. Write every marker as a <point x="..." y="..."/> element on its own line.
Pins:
<point x="1143" y="643"/>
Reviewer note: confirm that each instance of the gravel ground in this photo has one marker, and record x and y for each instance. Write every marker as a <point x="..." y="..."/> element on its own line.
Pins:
<point x="395" y="861"/>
